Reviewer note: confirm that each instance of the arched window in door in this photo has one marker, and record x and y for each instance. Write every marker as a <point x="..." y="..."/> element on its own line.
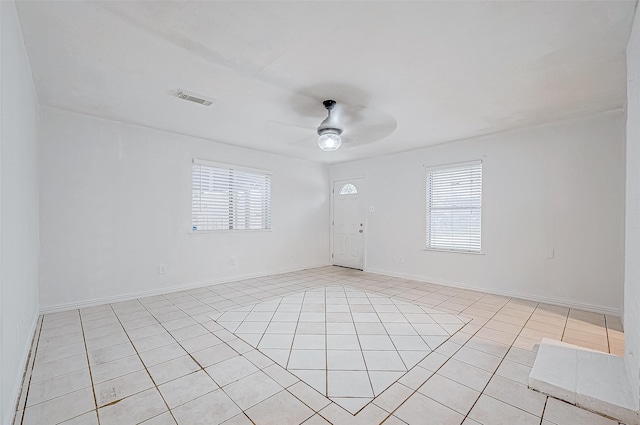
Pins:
<point x="348" y="189"/>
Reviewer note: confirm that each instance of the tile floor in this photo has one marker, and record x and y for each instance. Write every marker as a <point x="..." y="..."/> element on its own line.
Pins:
<point x="165" y="360"/>
<point x="347" y="344"/>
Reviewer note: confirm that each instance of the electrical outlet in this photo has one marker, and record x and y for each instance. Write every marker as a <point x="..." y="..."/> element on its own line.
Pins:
<point x="372" y="209"/>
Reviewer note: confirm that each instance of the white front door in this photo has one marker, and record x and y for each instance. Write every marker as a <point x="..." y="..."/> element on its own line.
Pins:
<point x="348" y="224"/>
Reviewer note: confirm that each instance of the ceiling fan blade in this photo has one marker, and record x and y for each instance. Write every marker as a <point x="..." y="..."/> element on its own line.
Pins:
<point x="311" y="141"/>
<point x="289" y="125"/>
<point x="371" y="133"/>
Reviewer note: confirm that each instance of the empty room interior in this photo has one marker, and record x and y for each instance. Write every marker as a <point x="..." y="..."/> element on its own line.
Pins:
<point x="314" y="212"/>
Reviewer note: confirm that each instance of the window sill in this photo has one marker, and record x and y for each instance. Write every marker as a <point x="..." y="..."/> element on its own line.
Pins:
<point x="208" y="232"/>
<point x="454" y="251"/>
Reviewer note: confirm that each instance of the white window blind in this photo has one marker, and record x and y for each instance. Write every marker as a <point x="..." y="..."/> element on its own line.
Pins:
<point x="226" y="198"/>
<point x="454" y="207"/>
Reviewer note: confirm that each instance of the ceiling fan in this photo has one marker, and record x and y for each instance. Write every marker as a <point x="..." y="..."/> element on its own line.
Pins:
<point x="346" y="124"/>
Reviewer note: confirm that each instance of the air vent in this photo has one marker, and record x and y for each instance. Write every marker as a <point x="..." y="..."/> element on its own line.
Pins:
<point x="191" y="97"/>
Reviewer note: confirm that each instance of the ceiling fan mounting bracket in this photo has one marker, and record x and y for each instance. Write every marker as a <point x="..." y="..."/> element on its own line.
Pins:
<point x="329" y="104"/>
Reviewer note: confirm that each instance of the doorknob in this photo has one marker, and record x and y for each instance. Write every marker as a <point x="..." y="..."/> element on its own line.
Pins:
<point x="361" y="231"/>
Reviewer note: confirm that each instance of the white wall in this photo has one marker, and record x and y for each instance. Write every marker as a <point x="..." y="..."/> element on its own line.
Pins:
<point x="19" y="210"/>
<point x="632" y="240"/>
<point x="116" y="203"/>
<point x="557" y="186"/>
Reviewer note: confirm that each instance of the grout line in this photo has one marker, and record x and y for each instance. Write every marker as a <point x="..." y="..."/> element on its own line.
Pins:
<point x="606" y="330"/>
<point x="566" y="320"/>
<point x="326" y="344"/>
<point x="31" y="363"/>
<point x="86" y="351"/>
<point x="546" y="400"/>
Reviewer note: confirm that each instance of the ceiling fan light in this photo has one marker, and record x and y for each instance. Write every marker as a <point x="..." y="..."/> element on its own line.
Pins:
<point x="329" y="141"/>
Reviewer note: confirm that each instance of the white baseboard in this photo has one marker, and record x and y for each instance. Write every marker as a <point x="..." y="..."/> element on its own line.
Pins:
<point x="15" y="393"/>
<point x="512" y="294"/>
<point x="168" y="289"/>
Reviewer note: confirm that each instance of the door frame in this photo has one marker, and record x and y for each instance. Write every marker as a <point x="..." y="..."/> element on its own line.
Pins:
<point x="362" y="178"/>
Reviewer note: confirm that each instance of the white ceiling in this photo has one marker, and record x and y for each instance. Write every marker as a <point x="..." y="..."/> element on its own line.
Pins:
<point x="440" y="71"/>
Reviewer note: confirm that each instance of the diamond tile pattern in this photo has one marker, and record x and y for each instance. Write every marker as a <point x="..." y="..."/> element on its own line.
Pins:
<point x="348" y="344"/>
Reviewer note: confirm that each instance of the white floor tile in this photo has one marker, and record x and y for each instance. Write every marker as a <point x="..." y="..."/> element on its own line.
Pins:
<point x="348" y="384"/>
<point x="308" y="395"/>
<point x="231" y="370"/>
<point x="352" y="404"/>
<point x="165" y="418"/>
<point x="412" y="358"/>
<point x="345" y="360"/>
<point x="341" y="329"/>
<point x="212" y="355"/>
<point x="450" y="393"/>
<point x="45" y="356"/>
<point x="114" y="369"/>
<point x="109" y="354"/>
<point x="381" y="380"/>
<point x="89" y="418"/>
<point x="317" y="379"/>
<point x="343" y="342"/>
<point x="516" y="394"/>
<point x="280" y="409"/>
<point x="253" y="389"/>
<point x="488" y="410"/>
<point x="281" y="375"/>
<point x="560" y="413"/>
<point x="212" y="408"/>
<point x="308" y="342"/>
<point x="280" y="357"/>
<point x="384" y="360"/>
<point x="133" y="410"/>
<point x="60" y="385"/>
<point x="55" y="368"/>
<point x="414" y="411"/>
<point x="465" y="374"/>
<point x="187" y="388"/>
<point x="276" y="341"/>
<point x="200" y="342"/>
<point x="307" y="359"/>
<point x="172" y="369"/>
<point x="376" y="342"/>
<point x="61" y="408"/>
<point x="118" y="388"/>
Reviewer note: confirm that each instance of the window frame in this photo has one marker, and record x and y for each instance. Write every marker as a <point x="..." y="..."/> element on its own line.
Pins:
<point x="232" y="200"/>
<point x="447" y="167"/>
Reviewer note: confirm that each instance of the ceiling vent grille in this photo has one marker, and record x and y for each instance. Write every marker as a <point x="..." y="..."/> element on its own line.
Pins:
<point x="191" y="97"/>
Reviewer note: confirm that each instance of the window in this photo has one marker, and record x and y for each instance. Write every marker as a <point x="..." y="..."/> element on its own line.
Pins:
<point x="228" y="198"/>
<point x="454" y="207"/>
<point x="348" y="189"/>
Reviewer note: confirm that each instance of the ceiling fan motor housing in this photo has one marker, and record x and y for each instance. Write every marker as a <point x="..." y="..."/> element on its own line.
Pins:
<point x="329" y="125"/>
